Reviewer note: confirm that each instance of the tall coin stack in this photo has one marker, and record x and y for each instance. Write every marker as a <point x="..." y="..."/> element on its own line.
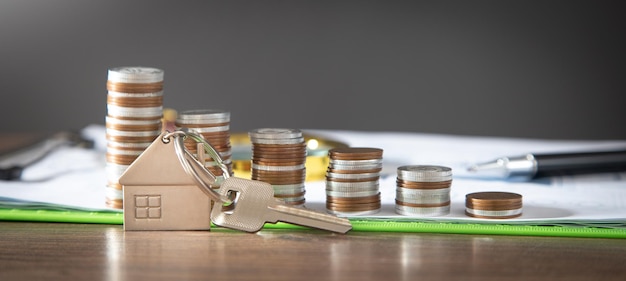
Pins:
<point x="279" y="158"/>
<point x="214" y="126"/>
<point x="352" y="180"/>
<point x="133" y="121"/>
<point x="423" y="190"/>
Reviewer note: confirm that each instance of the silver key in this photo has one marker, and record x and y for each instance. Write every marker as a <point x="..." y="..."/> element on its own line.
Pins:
<point x="254" y="205"/>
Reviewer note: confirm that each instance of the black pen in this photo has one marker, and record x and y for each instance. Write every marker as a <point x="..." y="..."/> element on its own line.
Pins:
<point x="530" y="166"/>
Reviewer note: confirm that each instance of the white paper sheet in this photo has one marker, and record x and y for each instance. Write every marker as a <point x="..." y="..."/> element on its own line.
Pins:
<point x="79" y="178"/>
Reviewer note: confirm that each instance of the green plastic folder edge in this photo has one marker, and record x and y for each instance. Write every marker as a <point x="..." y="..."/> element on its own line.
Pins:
<point x="358" y="224"/>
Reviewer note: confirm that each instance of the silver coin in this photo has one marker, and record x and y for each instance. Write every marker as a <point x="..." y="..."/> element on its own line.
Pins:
<point x="417" y="193"/>
<point x="434" y="199"/>
<point x="135" y="74"/>
<point x="203" y="116"/>
<point x="119" y="133"/>
<point x="114" y="171"/>
<point x="292" y="199"/>
<point x="362" y="184"/>
<point x="211" y="129"/>
<point x="276" y="141"/>
<point x="495" y="214"/>
<point x="128" y="145"/>
<point x="277" y="168"/>
<point x="353" y="189"/>
<point x="424" y="173"/>
<point x="114" y="94"/>
<point x="289" y="191"/>
<point x="117" y="121"/>
<point x="352" y="176"/>
<point x="138" y="112"/>
<point x="287" y="186"/>
<point x="275" y="133"/>
<point x="355" y="213"/>
<point x="363" y="167"/>
<point x="352" y="194"/>
<point x="423" y="212"/>
<point x="112" y="193"/>
<point x="114" y="151"/>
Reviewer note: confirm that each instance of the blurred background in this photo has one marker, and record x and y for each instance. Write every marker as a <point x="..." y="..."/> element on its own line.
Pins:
<point x="531" y="69"/>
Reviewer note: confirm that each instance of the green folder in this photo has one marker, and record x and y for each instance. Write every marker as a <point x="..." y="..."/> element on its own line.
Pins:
<point x="616" y="230"/>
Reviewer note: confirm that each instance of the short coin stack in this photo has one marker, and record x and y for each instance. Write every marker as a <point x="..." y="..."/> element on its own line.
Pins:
<point x="423" y="190"/>
<point x="352" y="180"/>
<point x="133" y="121"/>
<point x="493" y="205"/>
<point x="279" y="158"/>
<point x="214" y="126"/>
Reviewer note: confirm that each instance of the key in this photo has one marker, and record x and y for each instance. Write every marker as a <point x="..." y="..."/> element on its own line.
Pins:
<point x="254" y="205"/>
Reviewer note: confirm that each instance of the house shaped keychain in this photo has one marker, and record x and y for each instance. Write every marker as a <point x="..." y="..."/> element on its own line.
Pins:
<point x="160" y="195"/>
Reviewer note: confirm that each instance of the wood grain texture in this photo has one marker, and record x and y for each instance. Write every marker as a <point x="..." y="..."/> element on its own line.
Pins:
<point x="57" y="251"/>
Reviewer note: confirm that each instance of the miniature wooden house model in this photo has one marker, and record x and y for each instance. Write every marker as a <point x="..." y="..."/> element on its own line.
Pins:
<point x="159" y="195"/>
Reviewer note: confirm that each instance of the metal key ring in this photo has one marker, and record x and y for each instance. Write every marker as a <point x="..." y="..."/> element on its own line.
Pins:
<point x="194" y="168"/>
<point x="209" y="149"/>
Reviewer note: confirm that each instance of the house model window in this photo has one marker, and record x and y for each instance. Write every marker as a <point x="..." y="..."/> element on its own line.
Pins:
<point x="147" y="206"/>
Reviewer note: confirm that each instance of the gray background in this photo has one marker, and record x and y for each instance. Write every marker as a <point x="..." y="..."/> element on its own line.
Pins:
<point x="538" y="69"/>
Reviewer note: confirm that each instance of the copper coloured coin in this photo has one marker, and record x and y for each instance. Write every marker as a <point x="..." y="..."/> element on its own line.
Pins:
<point x="493" y="199"/>
<point x="355" y="153"/>
<point x="350" y="200"/>
<point x="134" y="87"/>
<point x="402" y="203"/>
<point x="493" y="205"/>
<point x="423" y="185"/>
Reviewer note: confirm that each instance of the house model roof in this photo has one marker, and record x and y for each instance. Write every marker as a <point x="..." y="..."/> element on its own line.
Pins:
<point x="157" y="165"/>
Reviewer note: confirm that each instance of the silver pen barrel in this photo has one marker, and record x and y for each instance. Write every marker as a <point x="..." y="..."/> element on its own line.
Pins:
<point x="519" y="167"/>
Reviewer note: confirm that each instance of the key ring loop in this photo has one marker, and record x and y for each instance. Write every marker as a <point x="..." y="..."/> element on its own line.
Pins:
<point x="194" y="168"/>
<point x="210" y="150"/>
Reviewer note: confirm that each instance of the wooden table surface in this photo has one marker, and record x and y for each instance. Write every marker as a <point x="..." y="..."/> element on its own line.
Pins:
<point x="59" y="251"/>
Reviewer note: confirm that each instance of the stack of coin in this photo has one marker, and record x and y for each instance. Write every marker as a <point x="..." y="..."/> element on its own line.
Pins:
<point x="352" y="180"/>
<point x="493" y="205"/>
<point x="214" y="126"/>
<point x="279" y="158"/>
<point x="423" y="190"/>
<point x="133" y="121"/>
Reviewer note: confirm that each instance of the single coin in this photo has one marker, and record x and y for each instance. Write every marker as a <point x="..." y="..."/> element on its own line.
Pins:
<point x="135" y="74"/>
<point x="277" y="141"/>
<point x="423" y="185"/>
<point x="203" y="116"/>
<point x="424" y="173"/>
<point x="352" y="194"/>
<point x="134" y="95"/>
<point x="363" y="167"/>
<point x="275" y="133"/>
<point x="332" y="175"/>
<point x="356" y="162"/>
<point x="354" y="189"/>
<point x="422" y="212"/>
<point x="355" y="153"/>
<point x="138" y="112"/>
<point x="277" y="167"/>
<point x="422" y="205"/>
<point x="351" y="200"/>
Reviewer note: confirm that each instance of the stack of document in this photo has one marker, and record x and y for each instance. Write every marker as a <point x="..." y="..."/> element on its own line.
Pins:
<point x="73" y="180"/>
